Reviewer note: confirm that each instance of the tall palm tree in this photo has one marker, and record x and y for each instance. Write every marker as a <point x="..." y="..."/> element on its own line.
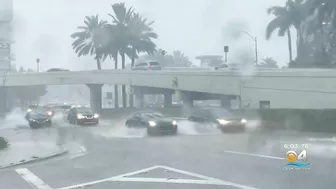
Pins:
<point x="292" y="14"/>
<point x="120" y="18"/>
<point x="89" y="41"/>
<point x="282" y="23"/>
<point x="133" y="35"/>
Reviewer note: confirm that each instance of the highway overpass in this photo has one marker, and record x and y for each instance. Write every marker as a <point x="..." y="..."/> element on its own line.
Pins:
<point x="287" y="88"/>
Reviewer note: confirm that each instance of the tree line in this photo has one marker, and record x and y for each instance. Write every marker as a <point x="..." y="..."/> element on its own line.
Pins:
<point x="127" y="34"/>
<point x="314" y="22"/>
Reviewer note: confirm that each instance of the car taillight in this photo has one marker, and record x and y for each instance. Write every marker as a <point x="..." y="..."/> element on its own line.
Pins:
<point x="150" y="67"/>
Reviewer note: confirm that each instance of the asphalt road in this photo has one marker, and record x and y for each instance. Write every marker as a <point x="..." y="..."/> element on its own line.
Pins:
<point x="198" y="157"/>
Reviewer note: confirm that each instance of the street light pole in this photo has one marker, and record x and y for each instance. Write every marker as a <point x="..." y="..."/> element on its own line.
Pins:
<point x="256" y="49"/>
<point x="38" y="65"/>
<point x="255" y="40"/>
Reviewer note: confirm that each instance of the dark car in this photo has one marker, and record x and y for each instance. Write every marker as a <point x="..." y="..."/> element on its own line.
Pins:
<point x="40" y="108"/>
<point x="224" y="119"/>
<point x="38" y="117"/>
<point x="82" y="116"/>
<point x="155" y="122"/>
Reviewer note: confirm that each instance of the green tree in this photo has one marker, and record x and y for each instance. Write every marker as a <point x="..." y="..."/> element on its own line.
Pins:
<point x="91" y="39"/>
<point x="322" y="28"/>
<point x="324" y="9"/>
<point x="268" y="62"/>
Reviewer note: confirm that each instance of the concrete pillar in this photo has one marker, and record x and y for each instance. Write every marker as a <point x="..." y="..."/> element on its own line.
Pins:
<point x="95" y="97"/>
<point x="3" y="100"/>
<point x="168" y="100"/>
<point x="139" y="100"/>
<point x="185" y="96"/>
<point x="225" y="101"/>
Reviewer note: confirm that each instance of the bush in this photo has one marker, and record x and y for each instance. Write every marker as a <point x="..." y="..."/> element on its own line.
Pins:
<point x="310" y="120"/>
<point x="3" y="143"/>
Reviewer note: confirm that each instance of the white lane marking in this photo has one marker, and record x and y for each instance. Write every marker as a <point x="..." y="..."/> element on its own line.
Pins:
<point x="255" y="155"/>
<point x="203" y="180"/>
<point x="108" y="179"/>
<point x="32" y="179"/>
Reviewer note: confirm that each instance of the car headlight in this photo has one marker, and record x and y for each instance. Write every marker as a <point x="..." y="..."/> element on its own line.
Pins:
<point x="80" y="116"/>
<point x="29" y="110"/>
<point x="30" y="119"/>
<point x="222" y="121"/>
<point x="96" y="116"/>
<point x="174" y="122"/>
<point x="49" y="113"/>
<point x="152" y="123"/>
<point x="243" y="121"/>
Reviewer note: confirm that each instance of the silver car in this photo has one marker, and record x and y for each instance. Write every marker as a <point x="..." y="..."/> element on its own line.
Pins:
<point x="150" y="65"/>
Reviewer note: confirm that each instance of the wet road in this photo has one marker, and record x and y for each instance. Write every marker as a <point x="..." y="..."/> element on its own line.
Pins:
<point x="198" y="157"/>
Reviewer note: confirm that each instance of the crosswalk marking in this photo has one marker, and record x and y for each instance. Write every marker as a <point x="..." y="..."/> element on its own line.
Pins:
<point x="32" y="179"/>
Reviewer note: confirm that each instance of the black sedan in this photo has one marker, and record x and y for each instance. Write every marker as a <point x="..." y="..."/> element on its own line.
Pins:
<point x="38" y="118"/>
<point x="82" y="116"/>
<point x="225" y="120"/>
<point x="155" y="122"/>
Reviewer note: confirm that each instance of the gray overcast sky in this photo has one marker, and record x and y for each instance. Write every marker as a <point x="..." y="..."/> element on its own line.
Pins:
<point x="42" y="28"/>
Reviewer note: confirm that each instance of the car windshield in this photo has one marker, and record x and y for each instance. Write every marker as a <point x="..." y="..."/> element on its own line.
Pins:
<point x="84" y="110"/>
<point x="38" y="113"/>
<point x="222" y="113"/>
<point x="154" y="115"/>
<point x="154" y="64"/>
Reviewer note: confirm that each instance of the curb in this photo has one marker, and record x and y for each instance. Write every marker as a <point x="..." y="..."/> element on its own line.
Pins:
<point x="53" y="155"/>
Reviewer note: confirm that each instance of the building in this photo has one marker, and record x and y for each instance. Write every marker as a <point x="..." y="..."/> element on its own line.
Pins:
<point x="6" y="16"/>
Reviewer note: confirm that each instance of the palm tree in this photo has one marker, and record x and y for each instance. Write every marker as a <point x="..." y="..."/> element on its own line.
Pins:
<point x="120" y="18"/>
<point x="141" y="35"/>
<point x="90" y="40"/>
<point x="180" y="59"/>
<point x="132" y="35"/>
<point x="282" y="23"/>
<point x="268" y="62"/>
<point x="285" y="17"/>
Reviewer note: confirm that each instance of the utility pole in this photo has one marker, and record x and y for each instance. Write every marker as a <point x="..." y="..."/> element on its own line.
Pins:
<point x="256" y="50"/>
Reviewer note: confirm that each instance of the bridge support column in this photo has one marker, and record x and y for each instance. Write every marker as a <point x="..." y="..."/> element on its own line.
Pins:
<point x="225" y="101"/>
<point x="185" y="96"/>
<point x="3" y="100"/>
<point x="95" y="97"/>
<point x="168" y="99"/>
<point x="139" y="99"/>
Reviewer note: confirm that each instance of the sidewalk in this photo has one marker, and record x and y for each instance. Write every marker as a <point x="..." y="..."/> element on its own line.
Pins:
<point x="22" y="152"/>
<point x="27" y="145"/>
